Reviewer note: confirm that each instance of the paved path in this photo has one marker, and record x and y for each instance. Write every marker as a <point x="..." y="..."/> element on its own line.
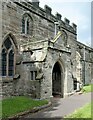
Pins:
<point x="62" y="107"/>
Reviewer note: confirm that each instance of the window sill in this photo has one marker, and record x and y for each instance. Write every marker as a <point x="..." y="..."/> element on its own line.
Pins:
<point x="10" y="79"/>
<point x="33" y="80"/>
<point x="7" y="79"/>
<point x="25" y="35"/>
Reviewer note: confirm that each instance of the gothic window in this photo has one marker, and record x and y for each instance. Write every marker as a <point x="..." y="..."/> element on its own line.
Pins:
<point x="64" y="37"/>
<point x="33" y="75"/>
<point x="11" y="63"/>
<point x="8" y="57"/>
<point x="23" y="25"/>
<point x="4" y="62"/>
<point x="27" y="24"/>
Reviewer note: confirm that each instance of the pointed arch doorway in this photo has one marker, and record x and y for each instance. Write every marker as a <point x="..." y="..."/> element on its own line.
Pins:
<point x="57" y="90"/>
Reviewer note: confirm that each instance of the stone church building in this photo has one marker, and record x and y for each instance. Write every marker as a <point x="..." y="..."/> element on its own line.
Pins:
<point x="40" y="54"/>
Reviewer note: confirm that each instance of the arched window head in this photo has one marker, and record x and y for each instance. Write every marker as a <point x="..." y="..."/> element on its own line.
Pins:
<point x="64" y="37"/>
<point x="27" y="24"/>
<point x="7" y="43"/>
<point x="8" y="55"/>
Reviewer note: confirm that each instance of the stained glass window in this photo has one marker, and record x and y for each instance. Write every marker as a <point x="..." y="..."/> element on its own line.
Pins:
<point x="27" y="24"/>
<point x="8" y="58"/>
<point x="11" y="63"/>
<point x="7" y="43"/>
<point x="4" y="54"/>
<point x="23" y="25"/>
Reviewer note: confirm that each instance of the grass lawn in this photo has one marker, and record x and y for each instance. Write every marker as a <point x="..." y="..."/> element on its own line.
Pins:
<point x="14" y="105"/>
<point x="87" y="88"/>
<point x="84" y="112"/>
<point x="0" y="109"/>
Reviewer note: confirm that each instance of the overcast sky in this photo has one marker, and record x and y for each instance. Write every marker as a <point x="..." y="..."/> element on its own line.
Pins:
<point x="77" y="12"/>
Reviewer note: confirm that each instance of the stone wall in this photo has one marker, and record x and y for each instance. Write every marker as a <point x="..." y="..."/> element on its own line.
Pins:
<point x="39" y="52"/>
<point x="86" y="62"/>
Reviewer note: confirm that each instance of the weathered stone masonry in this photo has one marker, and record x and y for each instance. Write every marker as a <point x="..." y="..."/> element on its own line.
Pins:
<point x="47" y="59"/>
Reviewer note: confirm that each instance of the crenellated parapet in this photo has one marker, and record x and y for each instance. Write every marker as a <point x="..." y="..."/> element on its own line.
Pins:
<point x="46" y="13"/>
<point x="35" y="3"/>
<point x="58" y="16"/>
<point x="74" y="26"/>
<point x="67" y="21"/>
<point x="43" y="52"/>
<point x="47" y="9"/>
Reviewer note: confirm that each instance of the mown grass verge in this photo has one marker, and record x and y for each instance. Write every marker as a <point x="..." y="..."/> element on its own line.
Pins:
<point x="15" y="105"/>
<point x="87" y="88"/>
<point x="84" y="112"/>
